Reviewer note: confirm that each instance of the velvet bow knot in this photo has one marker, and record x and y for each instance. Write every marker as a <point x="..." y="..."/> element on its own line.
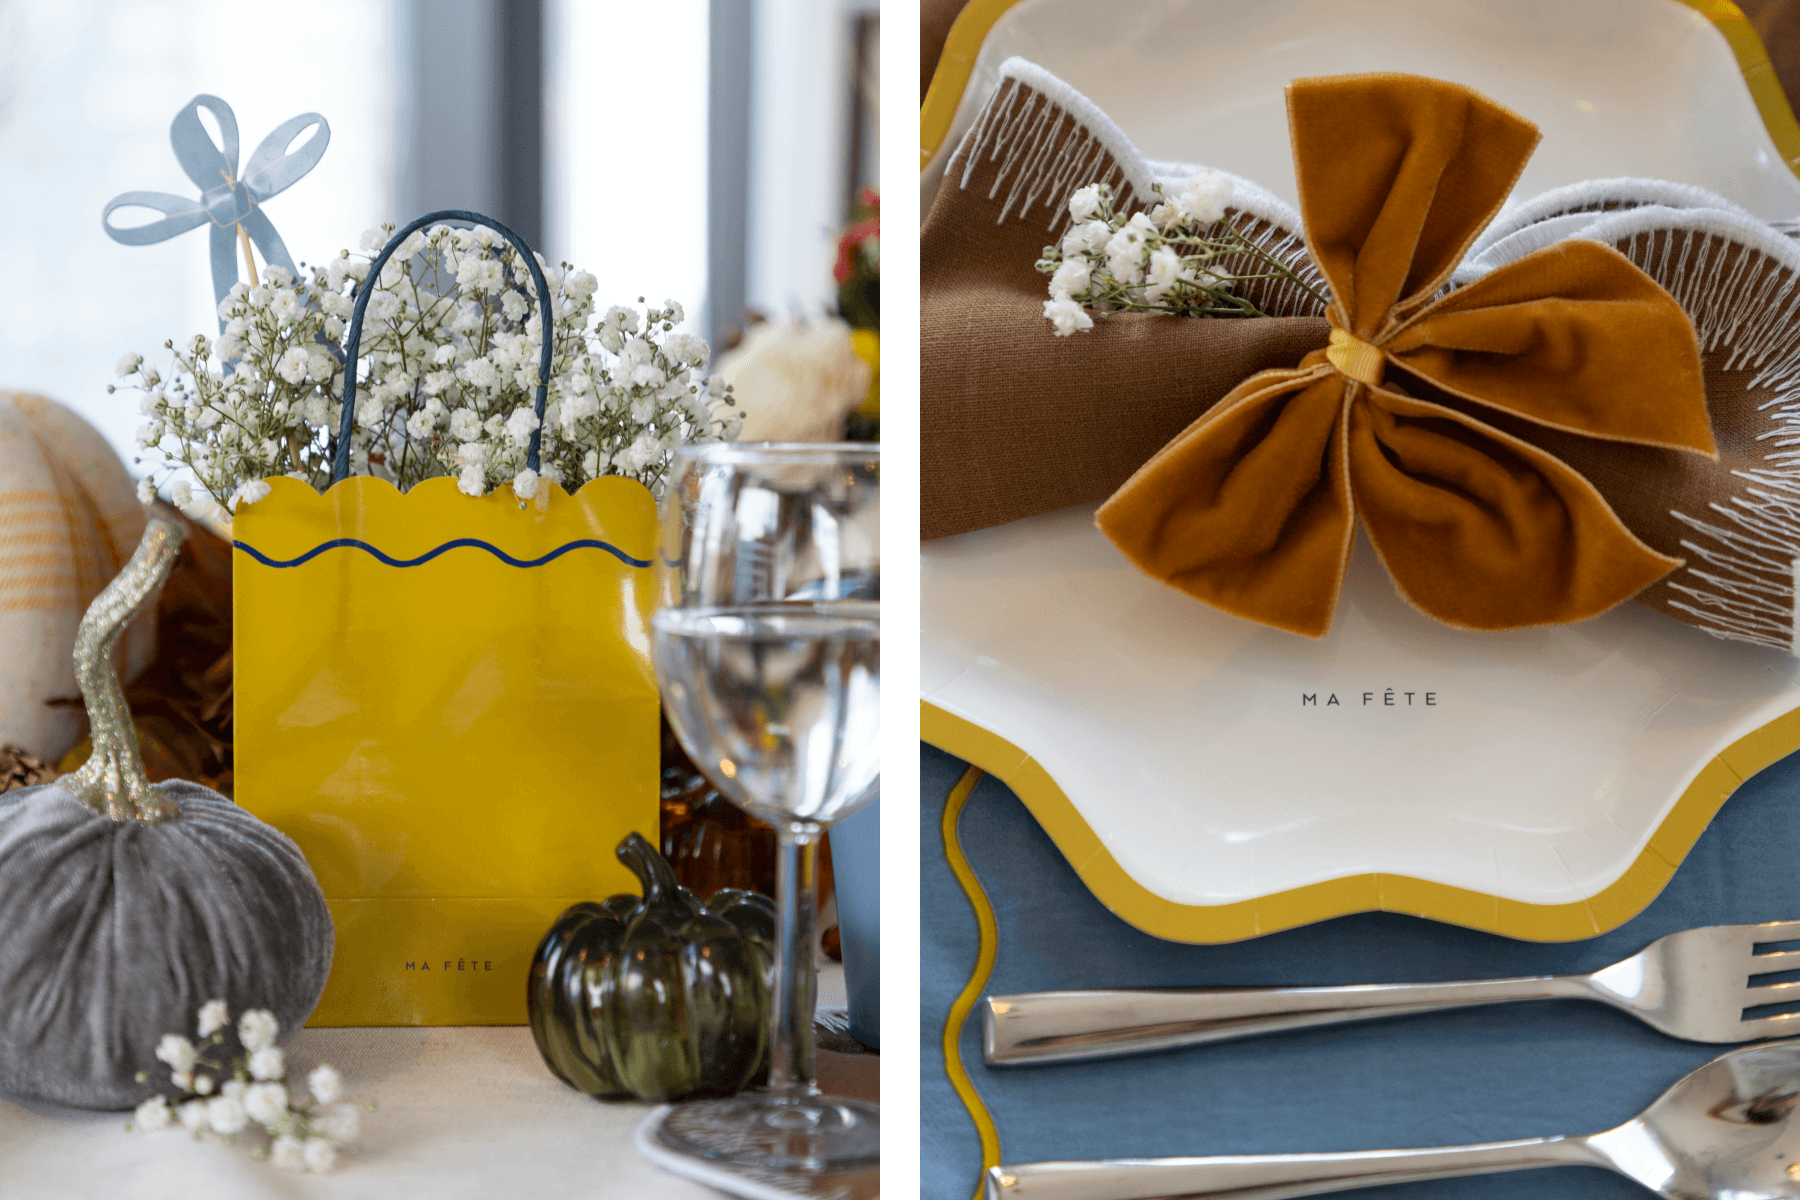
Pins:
<point x="1410" y="419"/>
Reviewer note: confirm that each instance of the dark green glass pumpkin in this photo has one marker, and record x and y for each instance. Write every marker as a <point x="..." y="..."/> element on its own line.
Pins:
<point x="660" y="997"/>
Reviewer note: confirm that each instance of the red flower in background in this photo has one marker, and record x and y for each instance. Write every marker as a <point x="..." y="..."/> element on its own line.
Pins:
<point x="866" y="229"/>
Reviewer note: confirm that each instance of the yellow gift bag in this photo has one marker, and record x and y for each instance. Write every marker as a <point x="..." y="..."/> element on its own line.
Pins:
<point x="448" y="702"/>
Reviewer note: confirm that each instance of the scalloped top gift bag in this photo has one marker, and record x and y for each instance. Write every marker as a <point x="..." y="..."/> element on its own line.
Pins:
<point x="447" y="701"/>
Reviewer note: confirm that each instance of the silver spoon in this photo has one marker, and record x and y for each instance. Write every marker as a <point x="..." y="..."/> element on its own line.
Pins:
<point x="1727" y="1131"/>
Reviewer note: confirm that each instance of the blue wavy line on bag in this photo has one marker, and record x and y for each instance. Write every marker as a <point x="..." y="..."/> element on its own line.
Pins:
<point x="503" y="556"/>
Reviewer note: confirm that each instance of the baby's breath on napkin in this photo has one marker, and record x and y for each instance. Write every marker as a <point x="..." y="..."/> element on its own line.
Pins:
<point x="229" y="1094"/>
<point x="1172" y="259"/>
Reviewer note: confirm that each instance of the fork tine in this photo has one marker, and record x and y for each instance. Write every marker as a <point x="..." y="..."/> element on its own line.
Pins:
<point x="1773" y="993"/>
<point x="1781" y="960"/>
<point x="1781" y="1025"/>
<point x="1773" y="931"/>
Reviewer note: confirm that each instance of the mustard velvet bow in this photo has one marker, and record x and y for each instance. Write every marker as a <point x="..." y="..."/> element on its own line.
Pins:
<point x="1252" y="509"/>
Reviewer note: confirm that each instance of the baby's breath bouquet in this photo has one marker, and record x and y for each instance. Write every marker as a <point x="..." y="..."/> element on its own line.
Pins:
<point x="450" y="347"/>
<point x="1172" y="259"/>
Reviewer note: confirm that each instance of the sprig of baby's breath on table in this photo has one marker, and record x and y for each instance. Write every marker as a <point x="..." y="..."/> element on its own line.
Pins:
<point x="1179" y="258"/>
<point x="232" y="1094"/>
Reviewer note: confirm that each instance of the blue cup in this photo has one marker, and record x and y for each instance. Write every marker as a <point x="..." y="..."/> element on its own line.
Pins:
<point x="856" y="873"/>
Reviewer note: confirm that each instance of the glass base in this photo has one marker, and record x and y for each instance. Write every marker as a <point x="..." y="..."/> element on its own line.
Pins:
<point x="803" y="1134"/>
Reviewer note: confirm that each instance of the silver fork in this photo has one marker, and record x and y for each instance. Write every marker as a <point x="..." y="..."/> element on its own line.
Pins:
<point x="1693" y="985"/>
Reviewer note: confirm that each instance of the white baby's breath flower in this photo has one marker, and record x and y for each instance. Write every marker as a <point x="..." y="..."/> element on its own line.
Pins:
<point x="146" y="490"/>
<point x="1085" y="201"/>
<point x="182" y="1079"/>
<point x="373" y="240"/>
<point x="193" y="1115"/>
<point x="320" y="1155"/>
<point x="620" y="318"/>
<point x="325" y="1083"/>
<point x="258" y="1028"/>
<point x="153" y="1115"/>
<point x="1204" y="198"/>
<point x="342" y="1124"/>
<point x="525" y="484"/>
<point x="267" y="1063"/>
<point x="292" y="365"/>
<point x="1066" y="315"/>
<point x="641" y="453"/>
<point x="479" y="371"/>
<point x="1090" y="238"/>
<point x="265" y="1102"/>
<point x="520" y="424"/>
<point x="203" y="1084"/>
<point x="226" y="1114"/>
<point x="214" y="1016"/>
<point x="580" y="285"/>
<point x="1125" y="255"/>
<point x="249" y="492"/>
<point x="182" y="493"/>
<point x="288" y="1153"/>
<point x="688" y="350"/>
<point x="1071" y="277"/>
<point x="177" y="1051"/>
<point x="465" y="424"/>
<point x="383" y="306"/>
<point x="1164" y="273"/>
<point x="127" y="364"/>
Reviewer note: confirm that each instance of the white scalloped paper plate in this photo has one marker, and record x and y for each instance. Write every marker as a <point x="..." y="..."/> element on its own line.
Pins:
<point x="1540" y="783"/>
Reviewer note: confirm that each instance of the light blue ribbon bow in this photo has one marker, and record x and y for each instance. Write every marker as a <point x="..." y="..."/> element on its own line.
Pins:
<point x="229" y="202"/>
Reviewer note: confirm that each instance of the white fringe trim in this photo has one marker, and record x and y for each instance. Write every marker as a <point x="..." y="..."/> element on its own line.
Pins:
<point x="1045" y="150"/>
<point x="1748" y="324"/>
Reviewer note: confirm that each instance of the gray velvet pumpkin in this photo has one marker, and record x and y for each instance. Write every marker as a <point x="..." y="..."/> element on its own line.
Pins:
<point x="126" y="905"/>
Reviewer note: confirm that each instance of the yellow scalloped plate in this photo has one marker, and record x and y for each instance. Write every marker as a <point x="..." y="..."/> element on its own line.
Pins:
<point x="1556" y="778"/>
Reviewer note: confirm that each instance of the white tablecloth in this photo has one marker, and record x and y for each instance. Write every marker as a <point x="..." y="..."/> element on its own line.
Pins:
<point x="461" y="1112"/>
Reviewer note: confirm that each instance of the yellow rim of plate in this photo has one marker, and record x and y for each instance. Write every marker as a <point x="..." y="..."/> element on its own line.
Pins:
<point x="979" y="17"/>
<point x="989" y="947"/>
<point x="1137" y="905"/>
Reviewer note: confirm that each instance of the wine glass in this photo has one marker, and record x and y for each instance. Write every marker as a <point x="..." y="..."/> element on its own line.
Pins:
<point x="767" y="642"/>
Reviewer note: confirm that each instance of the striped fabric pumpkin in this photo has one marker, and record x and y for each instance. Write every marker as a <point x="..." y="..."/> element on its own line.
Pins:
<point x="69" y="519"/>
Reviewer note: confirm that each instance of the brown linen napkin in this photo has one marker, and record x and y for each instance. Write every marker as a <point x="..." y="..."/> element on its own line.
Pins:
<point x="1015" y="421"/>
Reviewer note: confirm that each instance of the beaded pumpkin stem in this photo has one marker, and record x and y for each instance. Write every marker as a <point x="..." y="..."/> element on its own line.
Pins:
<point x="112" y="780"/>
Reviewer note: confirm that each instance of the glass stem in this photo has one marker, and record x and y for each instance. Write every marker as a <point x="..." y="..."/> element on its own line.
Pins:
<point x="797" y="903"/>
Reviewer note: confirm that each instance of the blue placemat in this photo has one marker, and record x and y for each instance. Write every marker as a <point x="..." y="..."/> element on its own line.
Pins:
<point x="1517" y="1071"/>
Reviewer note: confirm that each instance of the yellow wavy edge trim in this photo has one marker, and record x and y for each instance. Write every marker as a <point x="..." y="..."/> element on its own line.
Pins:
<point x="984" y="966"/>
<point x="1138" y="906"/>
<point x="957" y="63"/>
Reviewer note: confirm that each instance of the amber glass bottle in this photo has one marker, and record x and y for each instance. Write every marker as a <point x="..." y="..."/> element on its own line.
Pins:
<point x="710" y="843"/>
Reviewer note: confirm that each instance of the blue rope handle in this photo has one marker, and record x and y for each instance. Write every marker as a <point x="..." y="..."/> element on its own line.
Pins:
<point x="340" y="466"/>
